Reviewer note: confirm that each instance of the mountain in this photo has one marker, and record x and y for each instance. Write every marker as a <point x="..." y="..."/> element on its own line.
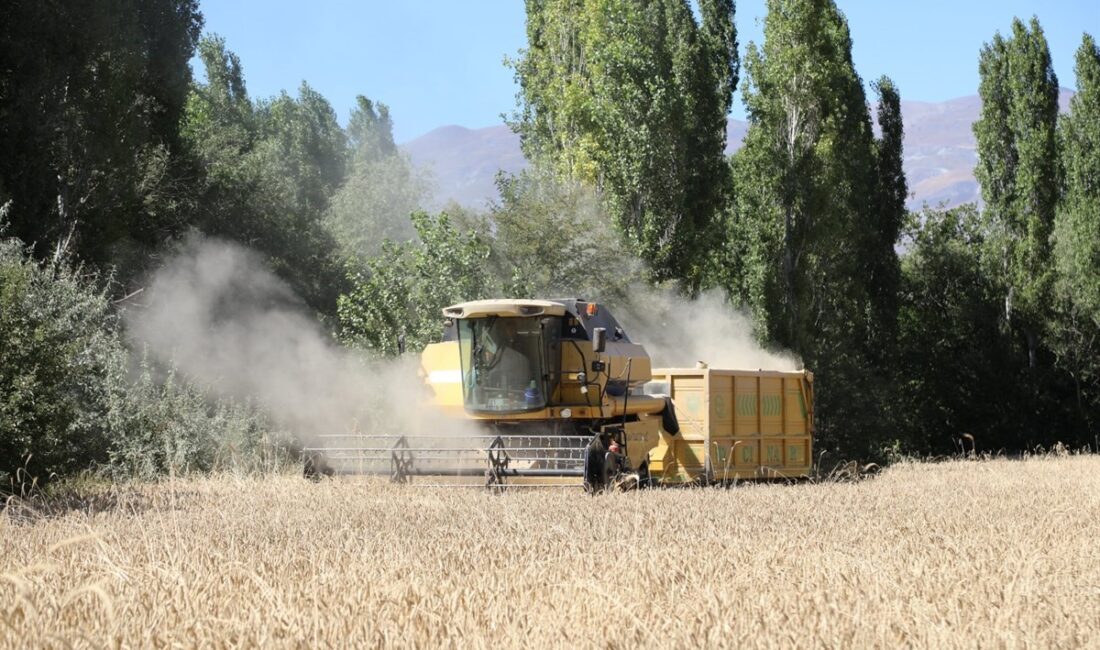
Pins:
<point x="940" y="154"/>
<point x="463" y="163"/>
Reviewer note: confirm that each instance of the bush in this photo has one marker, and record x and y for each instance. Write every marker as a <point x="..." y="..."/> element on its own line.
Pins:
<point x="164" y="424"/>
<point x="72" y="398"/>
<point x="58" y="343"/>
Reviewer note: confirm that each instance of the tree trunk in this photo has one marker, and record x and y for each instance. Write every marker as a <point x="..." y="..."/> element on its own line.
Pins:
<point x="1032" y="347"/>
<point x="789" y="279"/>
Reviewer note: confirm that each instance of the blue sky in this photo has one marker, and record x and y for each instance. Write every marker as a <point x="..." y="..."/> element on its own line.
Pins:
<point x="439" y="62"/>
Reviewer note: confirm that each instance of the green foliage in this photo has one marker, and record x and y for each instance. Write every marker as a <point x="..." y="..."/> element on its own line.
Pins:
<point x="1074" y="340"/>
<point x="958" y="371"/>
<point x="164" y="424"/>
<point x="803" y="221"/>
<point x="953" y="378"/>
<point x="302" y="149"/>
<point x="382" y="188"/>
<point x="58" y="343"/>
<point x="1075" y="326"/>
<point x="1018" y="170"/>
<point x="69" y="401"/>
<point x="370" y="131"/>
<point x="546" y="238"/>
<point x="887" y="218"/>
<point x="92" y="93"/>
<point x="817" y="211"/>
<point x="1078" y="222"/>
<point x="374" y="206"/>
<point x="632" y="97"/>
<point x="402" y="292"/>
<point x="551" y="239"/>
<point x="110" y="149"/>
<point x="271" y="169"/>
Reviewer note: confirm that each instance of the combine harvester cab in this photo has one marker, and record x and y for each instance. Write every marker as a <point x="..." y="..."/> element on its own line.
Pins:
<point x="553" y="392"/>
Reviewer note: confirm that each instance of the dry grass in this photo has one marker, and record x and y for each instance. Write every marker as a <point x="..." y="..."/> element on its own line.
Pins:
<point x="999" y="553"/>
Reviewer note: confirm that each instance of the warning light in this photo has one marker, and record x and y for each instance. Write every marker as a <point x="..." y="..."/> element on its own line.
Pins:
<point x="592" y="309"/>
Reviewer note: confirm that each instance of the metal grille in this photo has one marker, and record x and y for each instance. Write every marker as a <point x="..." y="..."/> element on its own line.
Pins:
<point x="496" y="457"/>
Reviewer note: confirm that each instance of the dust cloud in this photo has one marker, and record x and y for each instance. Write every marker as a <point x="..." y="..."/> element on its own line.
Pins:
<point x="678" y="332"/>
<point x="217" y="313"/>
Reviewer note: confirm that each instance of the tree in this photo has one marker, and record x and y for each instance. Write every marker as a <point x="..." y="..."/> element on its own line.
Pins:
<point x="402" y="292"/>
<point x="303" y="149"/>
<point x="633" y="97"/>
<point x="888" y="214"/>
<point x="271" y="169"/>
<point x="57" y="344"/>
<point x="1075" y="326"/>
<point x="219" y="118"/>
<point x="804" y="174"/>
<point x="1078" y="222"/>
<point x="70" y="403"/>
<point x="382" y="189"/>
<point x="91" y="97"/>
<point x="1074" y="339"/>
<point x="804" y="178"/>
<point x="370" y="131"/>
<point x="813" y="224"/>
<point x="1018" y="170"/>
<point x="551" y="238"/>
<point x="955" y="376"/>
<point x="959" y="370"/>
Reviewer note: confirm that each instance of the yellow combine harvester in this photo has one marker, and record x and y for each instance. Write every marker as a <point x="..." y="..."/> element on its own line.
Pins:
<point x="563" y="396"/>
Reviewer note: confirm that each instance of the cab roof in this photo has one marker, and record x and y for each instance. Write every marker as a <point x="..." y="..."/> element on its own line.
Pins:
<point x="504" y="307"/>
<point x="588" y="314"/>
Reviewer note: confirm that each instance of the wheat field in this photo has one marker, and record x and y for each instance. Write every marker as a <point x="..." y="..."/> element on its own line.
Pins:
<point x="997" y="553"/>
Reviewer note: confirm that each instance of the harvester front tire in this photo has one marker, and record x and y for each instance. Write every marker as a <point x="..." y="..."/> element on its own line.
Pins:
<point x="595" y="470"/>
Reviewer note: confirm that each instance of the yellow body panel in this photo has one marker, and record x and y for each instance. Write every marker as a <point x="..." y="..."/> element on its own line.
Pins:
<point x="736" y="424"/>
<point x="441" y="370"/>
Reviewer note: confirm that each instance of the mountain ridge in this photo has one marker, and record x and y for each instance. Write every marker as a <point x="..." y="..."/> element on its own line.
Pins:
<point x="939" y="151"/>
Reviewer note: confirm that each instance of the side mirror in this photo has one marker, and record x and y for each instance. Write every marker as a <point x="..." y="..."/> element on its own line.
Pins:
<point x="599" y="339"/>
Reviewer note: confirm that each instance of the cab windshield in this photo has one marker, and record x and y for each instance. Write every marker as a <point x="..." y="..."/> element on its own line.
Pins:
<point x="503" y="364"/>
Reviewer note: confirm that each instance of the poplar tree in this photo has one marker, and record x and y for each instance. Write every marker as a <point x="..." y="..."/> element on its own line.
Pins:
<point x="805" y="180"/>
<point x="370" y="131"/>
<point x="813" y="227"/>
<point x="1075" y="331"/>
<point x="1078" y="228"/>
<point x="270" y="168"/>
<point x="883" y="269"/>
<point x="632" y="97"/>
<point x="1018" y="171"/>
<point x="91" y="95"/>
<point x="382" y="188"/>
